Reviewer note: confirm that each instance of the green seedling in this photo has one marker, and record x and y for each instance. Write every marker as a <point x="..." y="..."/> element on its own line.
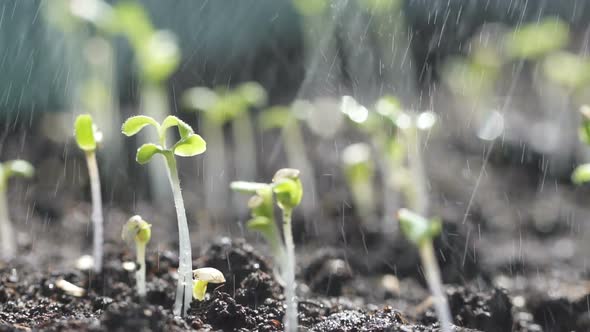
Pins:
<point x="288" y="192"/>
<point x="190" y="144"/>
<point x="396" y="135"/>
<point x="88" y="137"/>
<point x="422" y="232"/>
<point x="139" y="231"/>
<point x="359" y="172"/>
<point x="262" y="215"/>
<point x="203" y="277"/>
<point x="8" y="169"/>
<point x="219" y="107"/>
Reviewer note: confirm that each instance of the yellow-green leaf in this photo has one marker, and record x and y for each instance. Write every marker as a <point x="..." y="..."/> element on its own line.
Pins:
<point x="581" y="174"/>
<point x="146" y="152"/>
<point x="84" y="133"/>
<point x="136" y="123"/>
<point x="190" y="146"/>
<point x="183" y="128"/>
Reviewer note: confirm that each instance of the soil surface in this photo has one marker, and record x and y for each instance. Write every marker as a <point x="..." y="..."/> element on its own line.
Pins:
<point x="517" y="261"/>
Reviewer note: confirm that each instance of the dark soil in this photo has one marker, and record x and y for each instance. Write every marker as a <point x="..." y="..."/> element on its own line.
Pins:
<point x="331" y="299"/>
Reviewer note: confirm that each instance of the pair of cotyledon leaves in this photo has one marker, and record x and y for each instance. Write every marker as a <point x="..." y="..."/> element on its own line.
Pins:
<point x="190" y="144"/>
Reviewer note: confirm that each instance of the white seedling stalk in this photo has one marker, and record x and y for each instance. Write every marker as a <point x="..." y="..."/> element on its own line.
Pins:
<point x="432" y="275"/>
<point x="97" y="217"/>
<point x="185" y="269"/>
<point x="140" y="273"/>
<point x="6" y="232"/>
<point x="289" y="274"/>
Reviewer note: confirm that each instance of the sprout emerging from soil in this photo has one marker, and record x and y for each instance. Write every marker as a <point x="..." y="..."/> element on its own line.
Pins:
<point x="421" y="232"/>
<point x="203" y="277"/>
<point x="88" y="137"/>
<point x="288" y="192"/>
<point x="139" y="231"/>
<point x="9" y="169"/>
<point x="190" y="144"/>
<point x="262" y="213"/>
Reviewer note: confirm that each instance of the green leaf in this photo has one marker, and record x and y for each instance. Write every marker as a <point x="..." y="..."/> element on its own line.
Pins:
<point x="253" y="93"/>
<point x="84" y="133"/>
<point x="146" y="152"/>
<point x="581" y="174"/>
<point x="247" y="187"/>
<point x="183" y="128"/>
<point x="136" y="123"/>
<point x="416" y="228"/>
<point x="200" y="98"/>
<point x="190" y="146"/>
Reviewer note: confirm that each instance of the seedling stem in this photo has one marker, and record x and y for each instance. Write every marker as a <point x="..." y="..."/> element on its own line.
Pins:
<point x="421" y="232"/>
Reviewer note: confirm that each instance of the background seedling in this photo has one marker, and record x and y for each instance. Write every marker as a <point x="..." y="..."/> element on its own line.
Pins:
<point x="219" y="107"/>
<point x="263" y="219"/>
<point x="190" y="144"/>
<point x="203" y="277"/>
<point x="88" y="137"/>
<point x="9" y="169"/>
<point x="286" y="119"/>
<point x="421" y="232"/>
<point x="581" y="173"/>
<point x="288" y="192"/>
<point x="139" y="231"/>
<point x="360" y="172"/>
<point x="397" y="137"/>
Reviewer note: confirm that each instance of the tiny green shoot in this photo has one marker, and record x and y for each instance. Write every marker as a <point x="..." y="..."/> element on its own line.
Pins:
<point x="88" y="137"/>
<point x="421" y="232"/>
<point x="8" y="169"/>
<point x="190" y="144"/>
<point x="139" y="231"/>
<point x="203" y="277"/>
<point x="288" y="192"/>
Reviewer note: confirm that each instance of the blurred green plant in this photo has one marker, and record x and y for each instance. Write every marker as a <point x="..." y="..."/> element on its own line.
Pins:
<point x="88" y="137"/>
<point x="581" y="174"/>
<point x="533" y="40"/>
<point x="421" y="232"/>
<point x="359" y="171"/>
<point x="190" y="144"/>
<point x="219" y="107"/>
<point x="567" y="69"/>
<point x="9" y="169"/>
<point x="140" y="232"/>
<point x="396" y="136"/>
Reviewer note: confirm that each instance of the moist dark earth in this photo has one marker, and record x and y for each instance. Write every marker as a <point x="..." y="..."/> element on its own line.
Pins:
<point x="516" y="262"/>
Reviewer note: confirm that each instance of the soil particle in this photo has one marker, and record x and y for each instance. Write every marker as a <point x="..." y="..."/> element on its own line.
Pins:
<point x="488" y="311"/>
